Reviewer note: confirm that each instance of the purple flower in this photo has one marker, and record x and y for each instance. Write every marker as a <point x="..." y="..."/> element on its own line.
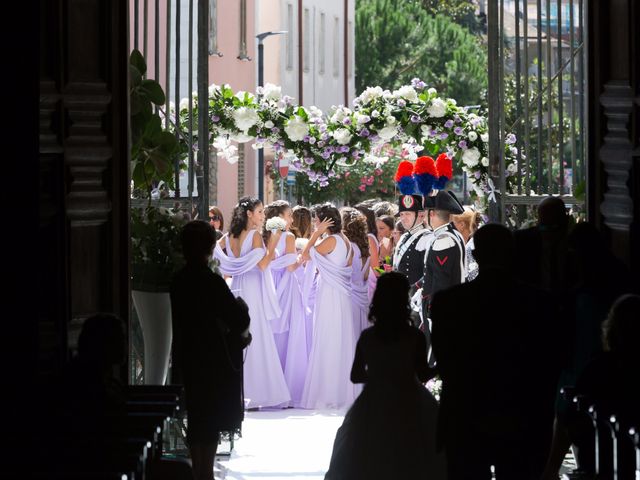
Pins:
<point x="324" y="184"/>
<point x="476" y="174"/>
<point x="215" y="118"/>
<point x="364" y="132"/>
<point x="346" y="121"/>
<point x="458" y="131"/>
<point x="511" y="139"/>
<point x="325" y="136"/>
<point x="309" y="161"/>
<point x="475" y="122"/>
<point x="443" y="136"/>
<point x="275" y="130"/>
<point x="414" y="82"/>
<point x="432" y="133"/>
<point x="462" y="144"/>
<point x="402" y="103"/>
<point x="343" y="149"/>
<point x="326" y="154"/>
<point x="448" y="124"/>
<point x="355" y="154"/>
<point x="306" y="138"/>
<point x="312" y="140"/>
<point x="457" y="119"/>
<point x="415" y="118"/>
<point x="321" y="144"/>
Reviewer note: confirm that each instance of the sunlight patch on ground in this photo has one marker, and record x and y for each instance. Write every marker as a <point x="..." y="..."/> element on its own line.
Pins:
<point x="286" y="444"/>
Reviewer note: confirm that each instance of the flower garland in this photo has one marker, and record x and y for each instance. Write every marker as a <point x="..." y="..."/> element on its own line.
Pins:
<point x="412" y="117"/>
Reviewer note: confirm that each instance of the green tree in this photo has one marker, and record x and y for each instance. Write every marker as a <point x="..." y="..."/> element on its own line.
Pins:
<point x="463" y="12"/>
<point x="397" y="40"/>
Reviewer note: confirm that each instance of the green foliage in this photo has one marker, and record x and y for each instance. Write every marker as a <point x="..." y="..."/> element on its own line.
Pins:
<point x="397" y="40"/>
<point x="463" y="12"/>
<point x="151" y="147"/>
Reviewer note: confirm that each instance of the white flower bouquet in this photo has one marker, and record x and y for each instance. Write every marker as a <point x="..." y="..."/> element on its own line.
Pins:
<point x="276" y="223"/>
<point x="301" y="243"/>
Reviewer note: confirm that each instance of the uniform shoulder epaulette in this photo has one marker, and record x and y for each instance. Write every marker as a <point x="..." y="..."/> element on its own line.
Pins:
<point x="443" y="243"/>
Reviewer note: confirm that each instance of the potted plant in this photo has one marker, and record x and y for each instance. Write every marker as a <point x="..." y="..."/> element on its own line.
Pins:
<point x="156" y="252"/>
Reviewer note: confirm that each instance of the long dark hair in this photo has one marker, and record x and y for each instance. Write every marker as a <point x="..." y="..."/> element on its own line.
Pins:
<point x="355" y="228"/>
<point x="301" y="226"/>
<point x="217" y="212"/>
<point x="328" y="210"/>
<point x="239" y="216"/>
<point x="370" y="216"/>
<point x="390" y="310"/>
<point x="388" y="221"/>
<point x="274" y="209"/>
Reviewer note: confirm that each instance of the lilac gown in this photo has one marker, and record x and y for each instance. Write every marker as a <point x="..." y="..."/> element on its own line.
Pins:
<point x="373" y="280"/>
<point x="292" y="342"/>
<point x="359" y="292"/>
<point x="328" y="382"/>
<point x="264" y="383"/>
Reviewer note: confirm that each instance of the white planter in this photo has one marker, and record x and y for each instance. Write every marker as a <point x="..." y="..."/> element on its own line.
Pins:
<point x="154" y="313"/>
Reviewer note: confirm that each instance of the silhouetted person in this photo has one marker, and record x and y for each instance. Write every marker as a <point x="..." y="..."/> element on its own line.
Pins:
<point x="612" y="383"/>
<point x="389" y="432"/>
<point x="599" y="278"/>
<point x="207" y="347"/>
<point x="491" y="337"/>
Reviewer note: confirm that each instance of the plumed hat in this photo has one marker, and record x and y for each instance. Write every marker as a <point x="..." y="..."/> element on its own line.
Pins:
<point x="425" y="175"/>
<point x="444" y="200"/>
<point x="408" y="201"/>
<point x="444" y="167"/>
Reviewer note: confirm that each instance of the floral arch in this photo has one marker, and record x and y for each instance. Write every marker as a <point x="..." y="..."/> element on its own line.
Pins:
<point x="324" y="146"/>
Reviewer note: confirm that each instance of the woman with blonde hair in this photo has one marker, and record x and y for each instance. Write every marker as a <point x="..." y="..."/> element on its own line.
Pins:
<point x="467" y="223"/>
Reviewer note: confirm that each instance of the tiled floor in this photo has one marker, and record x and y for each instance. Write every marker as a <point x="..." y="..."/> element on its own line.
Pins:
<point x="286" y="444"/>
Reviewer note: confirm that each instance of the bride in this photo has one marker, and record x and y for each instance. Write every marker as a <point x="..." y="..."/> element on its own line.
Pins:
<point x="390" y="431"/>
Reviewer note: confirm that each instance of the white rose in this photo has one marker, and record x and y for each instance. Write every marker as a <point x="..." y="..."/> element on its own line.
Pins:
<point x="245" y="118"/>
<point x="371" y="93"/>
<point x="375" y="114"/>
<point x="438" y="108"/>
<point x="425" y="129"/>
<point x="453" y="101"/>
<point x="387" y="95"/>
<point x="338" y="116"/>
<point x="342" y="136"/>
<point x="184" y="104"/>
<point x="362" y="119"/>
<point x="241" y="137"/>
<point x="407" y="92"/>
<point x="272" y="92"/>
<point x="213" y="89"/>
<point x="240" y="95"/>
<point x="473" y="136"/>
<point x="484" y="137"/>
<point x="388" y="132"/>
<point x="296" y="129"/>
<point x="315" y="112"/>
<point x="485" y="162"/>
<point x="512" y="167"/>
<point x="391" y="120"/>
<point x="268" y="124"/>
<point x="471" y="157"/>
<point x="432" y="91"/>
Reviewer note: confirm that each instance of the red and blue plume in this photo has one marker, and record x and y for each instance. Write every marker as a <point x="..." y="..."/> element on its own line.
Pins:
<point x="403" y="178"/>
<point x="444" y="166"/>
<point x="425" y="175"/>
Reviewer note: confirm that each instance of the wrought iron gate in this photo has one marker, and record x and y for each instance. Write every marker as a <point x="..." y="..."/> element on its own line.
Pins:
<point x="537" y="91"/>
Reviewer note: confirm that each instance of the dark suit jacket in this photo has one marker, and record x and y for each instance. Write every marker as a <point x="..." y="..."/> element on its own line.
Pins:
<point x="495" y="346"/>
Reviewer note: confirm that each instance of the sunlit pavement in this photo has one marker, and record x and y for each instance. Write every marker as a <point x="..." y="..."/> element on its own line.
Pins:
<point x="286" y="444"/>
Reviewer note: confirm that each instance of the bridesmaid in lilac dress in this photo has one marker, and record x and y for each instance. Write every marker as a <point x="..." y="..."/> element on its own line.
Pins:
<point x="290" y="328"/>
<point x="374" y="247"/>
<point x="355" y="228"/>
<point x="243" y="256"/>
<point x="327" y="384"/>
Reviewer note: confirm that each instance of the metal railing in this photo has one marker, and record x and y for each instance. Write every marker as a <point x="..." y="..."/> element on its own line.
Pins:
<point x="164" y="51"/>
<point x="537" y="91"/>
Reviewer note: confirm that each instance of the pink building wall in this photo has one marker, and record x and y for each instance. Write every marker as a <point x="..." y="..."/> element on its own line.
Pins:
<point x="239" y="74"/>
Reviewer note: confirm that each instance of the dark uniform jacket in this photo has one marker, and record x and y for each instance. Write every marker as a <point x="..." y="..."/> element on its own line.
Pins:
<point x="443" y="264"/>
<point x="409" y="255"/>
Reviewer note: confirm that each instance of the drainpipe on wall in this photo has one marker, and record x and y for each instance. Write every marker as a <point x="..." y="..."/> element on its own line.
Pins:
<point x="346" y="52"/>
<point x="300" y="53"/>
